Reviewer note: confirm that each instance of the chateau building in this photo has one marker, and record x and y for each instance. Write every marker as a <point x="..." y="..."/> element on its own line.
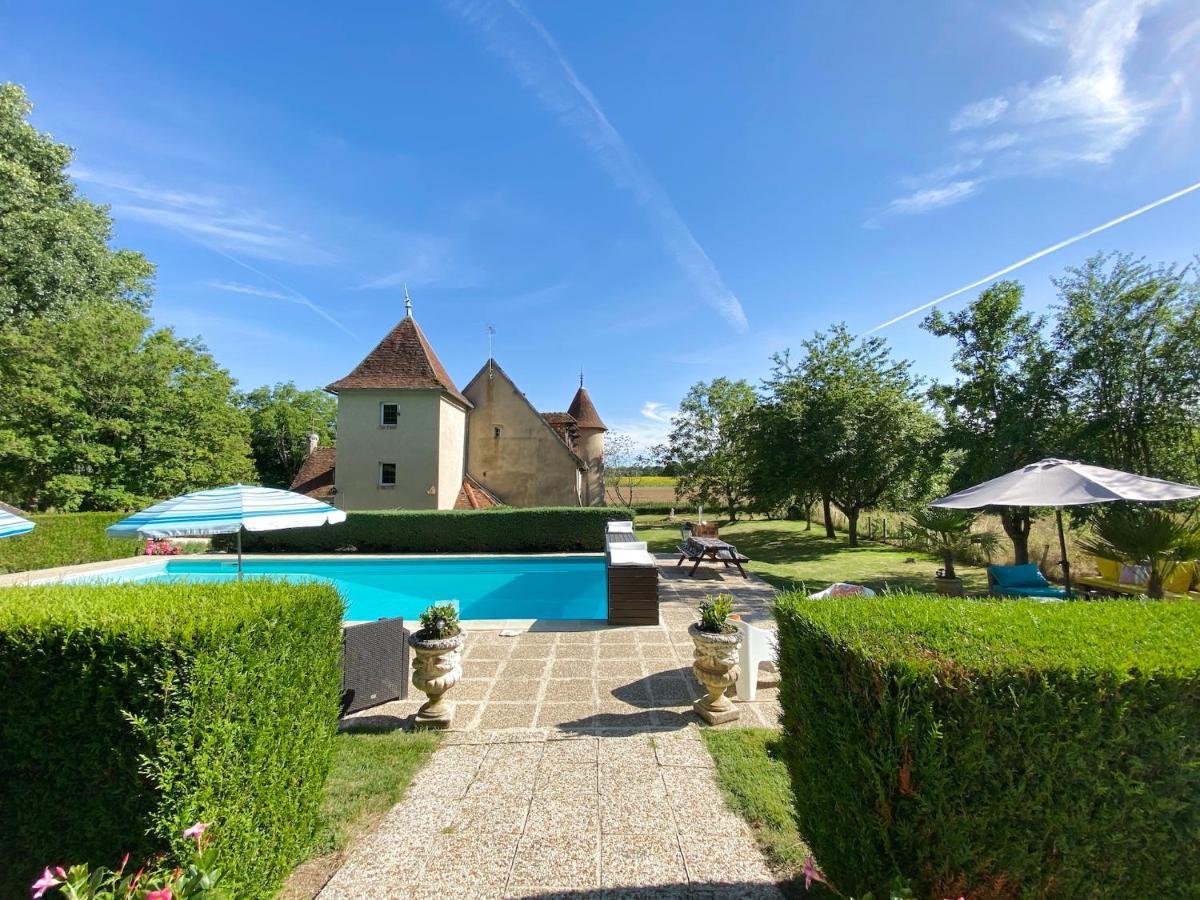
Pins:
<point x="408" y="438"/>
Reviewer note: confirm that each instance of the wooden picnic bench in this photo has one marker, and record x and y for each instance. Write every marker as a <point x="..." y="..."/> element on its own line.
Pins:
<point x="698" y="549"/>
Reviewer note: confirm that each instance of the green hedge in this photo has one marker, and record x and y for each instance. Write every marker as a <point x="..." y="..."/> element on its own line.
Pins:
<point x="503" y="530"/>
<point x="127" y="712"/>
<point x="65" y="539"/>
<point x="995" y="749"/>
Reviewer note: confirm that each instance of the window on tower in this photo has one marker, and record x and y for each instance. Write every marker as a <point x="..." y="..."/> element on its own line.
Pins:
<point x="387" y="474"/>
<point x="389" y="415"/>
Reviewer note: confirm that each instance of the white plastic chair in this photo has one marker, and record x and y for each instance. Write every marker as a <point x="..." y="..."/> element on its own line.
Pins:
<point x="759" y="645"/>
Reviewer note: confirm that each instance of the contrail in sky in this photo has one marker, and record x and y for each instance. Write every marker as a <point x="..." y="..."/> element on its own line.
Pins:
<point x="514" y="34"/>
<point x="1045" y="252"/>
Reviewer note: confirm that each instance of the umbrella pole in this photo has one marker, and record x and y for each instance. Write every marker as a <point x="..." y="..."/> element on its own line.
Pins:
<point x="1062" y="546"/>
<point x="240" y="553"/>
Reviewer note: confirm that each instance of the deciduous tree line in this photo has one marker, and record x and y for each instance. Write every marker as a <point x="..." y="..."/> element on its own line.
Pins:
<point x="99" y="409"/>
<point x="1110" y="376"/>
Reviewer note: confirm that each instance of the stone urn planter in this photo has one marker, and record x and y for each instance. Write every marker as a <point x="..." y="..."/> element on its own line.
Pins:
<point x="951" y="587"/>
<point x="437" y="667"/>
<point x="715" y="665"/>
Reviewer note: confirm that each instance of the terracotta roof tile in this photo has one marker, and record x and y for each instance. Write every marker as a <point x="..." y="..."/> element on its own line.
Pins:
<point x="473" y="495"/>
<point x="315" y="477"/>
<point x="584" y="411"/>
<point x="401" y="361"/>
<point x="564" y="426"/>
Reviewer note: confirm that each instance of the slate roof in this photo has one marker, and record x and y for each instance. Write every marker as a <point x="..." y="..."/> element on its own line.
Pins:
<point x="584" y="411"/>
<point x="403" y="360"/>
<point x="315" y="477"/>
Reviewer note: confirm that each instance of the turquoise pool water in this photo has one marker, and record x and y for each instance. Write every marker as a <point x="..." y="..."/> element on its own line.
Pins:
<point x="490" y="587"/>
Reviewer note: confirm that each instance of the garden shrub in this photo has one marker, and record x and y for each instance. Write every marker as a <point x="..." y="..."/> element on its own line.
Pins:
<point x="502" y="530"/>
<point x="128" y="712"/>
<point x="65" y="539"/>
<point x="995" y="748"/>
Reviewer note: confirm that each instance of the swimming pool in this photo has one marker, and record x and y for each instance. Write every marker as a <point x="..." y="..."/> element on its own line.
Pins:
<point x="485" y="587"/>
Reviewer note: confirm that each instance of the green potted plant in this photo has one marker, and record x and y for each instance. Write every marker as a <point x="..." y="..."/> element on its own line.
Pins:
<point x="715" y="659"/>
<point x="437" y="663"/>
<point x="1144" y="536"/>
<point x="947" y="533"/>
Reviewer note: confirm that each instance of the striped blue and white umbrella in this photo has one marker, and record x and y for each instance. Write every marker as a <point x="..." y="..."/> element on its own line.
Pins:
<point x="227" y="510"/>
<point x="12" y="523"/>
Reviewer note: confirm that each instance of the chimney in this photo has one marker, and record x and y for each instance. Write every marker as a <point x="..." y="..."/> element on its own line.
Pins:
<point x="313" y="440"/>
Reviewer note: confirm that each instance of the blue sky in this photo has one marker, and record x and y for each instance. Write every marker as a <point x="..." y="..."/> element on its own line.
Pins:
<point x="655" y="192"/>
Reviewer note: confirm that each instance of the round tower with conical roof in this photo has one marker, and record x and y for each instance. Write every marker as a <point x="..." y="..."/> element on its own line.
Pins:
<point x="590" y="444"/>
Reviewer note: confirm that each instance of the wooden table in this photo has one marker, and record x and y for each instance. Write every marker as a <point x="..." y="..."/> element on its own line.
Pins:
<point x="701" y="548"/>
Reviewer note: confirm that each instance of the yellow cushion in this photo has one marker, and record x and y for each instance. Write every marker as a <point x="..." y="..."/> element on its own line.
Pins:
<point x="1180" y="579"/>
<point x="1109" y="569"/>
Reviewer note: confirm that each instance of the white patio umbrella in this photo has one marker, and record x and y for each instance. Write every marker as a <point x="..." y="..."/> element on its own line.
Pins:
<point x="12" y="522"/>
<point x="1059" y="483"/>
<point x="227" y="510"/>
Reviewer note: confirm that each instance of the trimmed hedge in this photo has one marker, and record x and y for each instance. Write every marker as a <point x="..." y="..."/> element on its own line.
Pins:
<point x="500" y="530"/>
<point x="65" y="539"/>
<point x="995" y="749"/>
<point x="127" y="712"/>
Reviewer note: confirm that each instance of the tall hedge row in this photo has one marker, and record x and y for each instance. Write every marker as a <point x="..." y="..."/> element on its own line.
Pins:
<point x="65" y="539"/>
<point x="127" y="712"/>
<point x="995" y="749"/>
<point x="501" y="530"/>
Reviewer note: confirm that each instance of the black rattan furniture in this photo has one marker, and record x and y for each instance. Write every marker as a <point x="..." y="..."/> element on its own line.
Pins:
<point x="374" y="663"/>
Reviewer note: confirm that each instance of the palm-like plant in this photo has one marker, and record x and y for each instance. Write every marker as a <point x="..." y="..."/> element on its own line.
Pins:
<point x="947" y="533"/>
<point x="1144" y="536"/>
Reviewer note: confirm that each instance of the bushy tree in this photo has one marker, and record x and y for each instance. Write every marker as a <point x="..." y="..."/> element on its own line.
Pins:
<point x="1128" y="336"/>
<point x="100" y="411"/>
<point x="861" y="432"/>
<point x="54" y="250"/>
<point x="704" y="444"/>
<point x="281" y="419"/>
<point x="1005" y="408"/>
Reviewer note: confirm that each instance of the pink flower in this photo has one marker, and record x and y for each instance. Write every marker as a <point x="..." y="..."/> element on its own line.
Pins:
<point x="164" y="894"/>
<point x="196" y="830"/>
<point x="811" y="873"/>
<point x="44" y="883"/>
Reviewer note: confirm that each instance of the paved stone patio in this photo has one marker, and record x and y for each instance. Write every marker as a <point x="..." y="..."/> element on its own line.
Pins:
<point x="575" y="767"/>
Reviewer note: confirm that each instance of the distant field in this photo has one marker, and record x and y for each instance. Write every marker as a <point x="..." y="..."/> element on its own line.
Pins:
<point x="646" y="489"/>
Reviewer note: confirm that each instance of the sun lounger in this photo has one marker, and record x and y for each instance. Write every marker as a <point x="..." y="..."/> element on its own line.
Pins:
<point x="1022" y="581"/>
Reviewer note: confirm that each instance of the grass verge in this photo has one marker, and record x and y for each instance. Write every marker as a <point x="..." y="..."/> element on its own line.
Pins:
<point x="371" y="771"/>
<point x="756" y="786"/>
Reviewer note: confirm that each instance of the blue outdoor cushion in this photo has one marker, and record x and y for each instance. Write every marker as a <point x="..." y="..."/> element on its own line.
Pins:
<point x="1026" y="591"/>
<point x="1027" y="575"/>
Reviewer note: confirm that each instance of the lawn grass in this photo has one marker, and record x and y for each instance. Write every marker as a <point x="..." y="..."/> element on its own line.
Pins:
<point x="370" y="773"/>
<point x="756" y="787"/>
<point x="790" y="557"/>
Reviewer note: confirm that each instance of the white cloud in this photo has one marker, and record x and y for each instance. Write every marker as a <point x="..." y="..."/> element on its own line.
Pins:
<point x="208" y="218"/>
<point x="1094" y="106"/>
<point x="515" y="35"/>
<point x="235" y="287"/>
<point x="982" y="112"/>
<point x="425" y="260"/>
<point x="658" y="412"/>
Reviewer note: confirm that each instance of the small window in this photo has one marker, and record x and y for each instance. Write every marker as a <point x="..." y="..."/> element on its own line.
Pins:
<point x="387" y="474"/>
<point x="389" y="415"/>
<point x="496" y="432"/>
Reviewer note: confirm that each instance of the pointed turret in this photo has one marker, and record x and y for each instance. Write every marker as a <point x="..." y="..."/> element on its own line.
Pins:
<point x="590" y="445"/>
<point x="584" y="411"/>
<point x="401" y="361"/>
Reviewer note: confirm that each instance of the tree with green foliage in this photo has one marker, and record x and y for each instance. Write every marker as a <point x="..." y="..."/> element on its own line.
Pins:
<point x="281" y="419"/>
<point x="1005" y="409"/>
<point x="100" y="411"/>
<point x="862" y="435"/>
<point x="54" y="244"/>
<point x="704" y="444"/>
<point x="1129" y="337"/>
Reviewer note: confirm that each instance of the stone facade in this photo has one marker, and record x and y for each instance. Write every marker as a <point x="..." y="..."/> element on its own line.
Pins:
<point x="407" y="438"/>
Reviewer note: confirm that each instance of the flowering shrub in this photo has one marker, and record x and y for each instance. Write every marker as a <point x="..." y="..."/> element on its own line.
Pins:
<point x="160" y="548"/>
<point x="198" y="878"/>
